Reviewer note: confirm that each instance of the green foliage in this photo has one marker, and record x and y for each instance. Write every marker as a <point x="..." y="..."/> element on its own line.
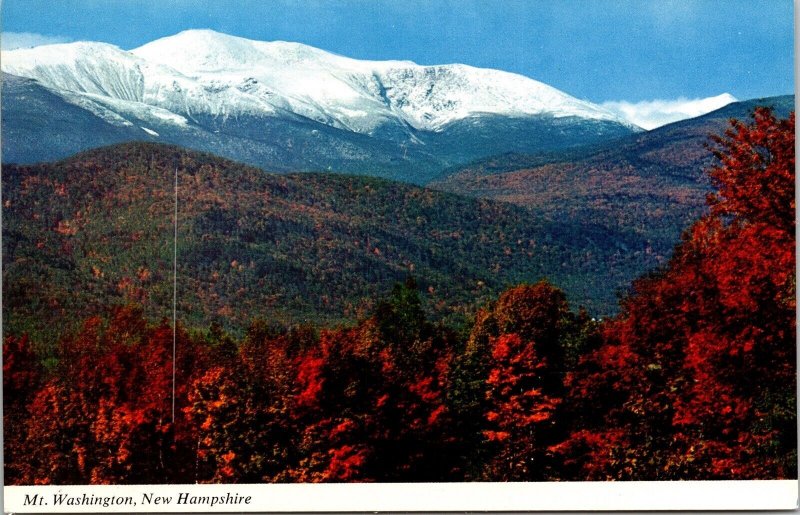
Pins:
<point x="97" y="230"/>
<point x="401" y="318"/>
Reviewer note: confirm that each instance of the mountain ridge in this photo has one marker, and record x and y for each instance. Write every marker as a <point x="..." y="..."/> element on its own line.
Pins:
<point x="652" y="183"/>
<point x="702" y="126"/>
<point x="403" y="120"/>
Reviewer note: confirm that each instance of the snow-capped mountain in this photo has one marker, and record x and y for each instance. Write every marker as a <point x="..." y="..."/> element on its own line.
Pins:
<point x="205" y="89"/>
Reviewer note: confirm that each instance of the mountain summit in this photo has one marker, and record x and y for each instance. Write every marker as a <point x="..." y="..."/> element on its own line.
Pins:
<point x="359" y="95"/>
<point x="202" y="88"/>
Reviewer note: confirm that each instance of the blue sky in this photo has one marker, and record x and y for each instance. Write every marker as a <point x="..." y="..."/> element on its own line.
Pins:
<point x="599" y="50"/>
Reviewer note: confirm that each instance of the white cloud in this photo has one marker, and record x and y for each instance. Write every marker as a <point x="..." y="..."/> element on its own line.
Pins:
<point x="650" y="114"/>
<point x="12" y="40"/>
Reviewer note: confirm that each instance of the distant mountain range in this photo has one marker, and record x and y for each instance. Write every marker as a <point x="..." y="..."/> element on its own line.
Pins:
<point x="284" y="106"/>
<point x="652" y="183"/>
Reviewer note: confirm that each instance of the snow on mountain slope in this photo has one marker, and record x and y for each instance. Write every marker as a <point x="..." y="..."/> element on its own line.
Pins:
<point x="94" y="74"/>
<point x="89" y="68"/>
<point x="319" y="84"/>
<point x="200" y="73"/>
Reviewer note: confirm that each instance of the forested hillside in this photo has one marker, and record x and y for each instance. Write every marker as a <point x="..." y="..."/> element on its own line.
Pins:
<point x="651" y="183"/>
<point x="97" y="229"/>
<point x="694" y="379"/>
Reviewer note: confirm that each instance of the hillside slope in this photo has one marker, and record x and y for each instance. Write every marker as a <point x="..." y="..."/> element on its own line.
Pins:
<point x="97" y="229"/>
<point x="651" y="183"/>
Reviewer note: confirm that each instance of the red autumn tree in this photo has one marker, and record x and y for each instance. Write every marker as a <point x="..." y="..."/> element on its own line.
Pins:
<point x="220" y="410"/>
<point x="696" y="377"/>
<point x="518" y="407"/>
<point x="105" y="415"/>
<point x="517" y="348"/>
<point x="372" y="399"/>
<point x="239" y="408"/>
<point x="755" y="175"/>
<point x="337" y="386"/>
<point x="59" y="441"/>
<point x="132" y="430"/>
<point x="742" y="355"/>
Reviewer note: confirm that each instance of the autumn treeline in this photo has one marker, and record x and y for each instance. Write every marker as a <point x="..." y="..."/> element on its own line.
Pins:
<point x="694" y="379"/>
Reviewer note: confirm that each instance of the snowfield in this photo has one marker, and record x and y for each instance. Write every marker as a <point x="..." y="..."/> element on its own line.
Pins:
<point x="205" y="73"/>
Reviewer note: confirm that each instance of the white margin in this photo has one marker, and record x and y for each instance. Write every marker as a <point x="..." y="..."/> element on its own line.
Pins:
<point x="418" y="497"/>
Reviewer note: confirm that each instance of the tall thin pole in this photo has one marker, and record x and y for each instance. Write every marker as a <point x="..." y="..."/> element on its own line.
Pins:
<point x="174" y="291"/>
